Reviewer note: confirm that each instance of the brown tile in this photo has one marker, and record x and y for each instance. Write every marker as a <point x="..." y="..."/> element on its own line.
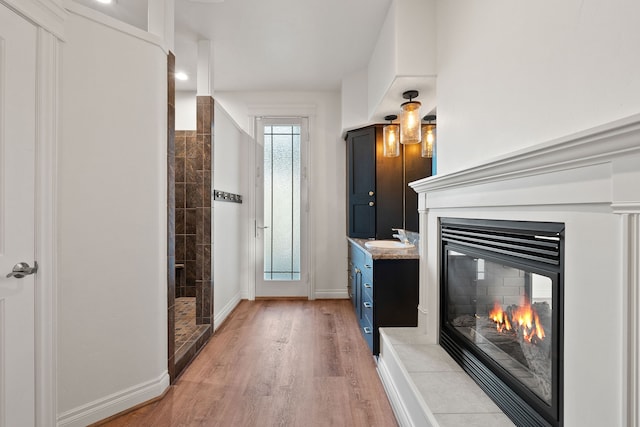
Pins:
<point x="190" y="248"/>
<point x="193" y="195"/>
<point x="198" y="302"/>
<point x="190" y="221"/>
<point x="180" y="197"/>
<point x="191" y="171"/>
<point x="200" y="231"/>
<point x="206" y="227"/>
<point x="191" y="149"/>
<point x="179" y="221"/>
<point x="206" y="263"/>
<point x="207" y="186"/>
<point x="180" y="248"/>
<point x="180" y="170"/>
<point x="207" y="155"/>
<point x="180" y="142"/>
<point x="190" y="268"/>
<point x="206" y="298"/>
<point x="190" y="291"/>
<point x="190" y="133"/>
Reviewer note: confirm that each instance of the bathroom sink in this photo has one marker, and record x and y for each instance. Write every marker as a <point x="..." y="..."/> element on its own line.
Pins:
<point x="387" y="244"/>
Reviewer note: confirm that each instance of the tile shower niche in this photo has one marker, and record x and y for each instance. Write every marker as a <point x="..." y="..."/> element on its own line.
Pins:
<point x="501" y="312"/>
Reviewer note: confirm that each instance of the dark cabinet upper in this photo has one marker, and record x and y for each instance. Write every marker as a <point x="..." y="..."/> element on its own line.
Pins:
<point x="378" y="197"/>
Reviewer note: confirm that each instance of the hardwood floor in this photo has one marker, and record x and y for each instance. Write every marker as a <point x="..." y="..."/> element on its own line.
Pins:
<point x="277" y="363"/>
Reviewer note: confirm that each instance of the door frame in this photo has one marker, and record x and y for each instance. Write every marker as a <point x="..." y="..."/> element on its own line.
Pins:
<point x="49" y="18"/>
<point x="276" y="110"/>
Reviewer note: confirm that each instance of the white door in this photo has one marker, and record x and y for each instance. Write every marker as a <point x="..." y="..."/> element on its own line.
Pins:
<point x="281" y="207"/>
<point x="17" y="226"/>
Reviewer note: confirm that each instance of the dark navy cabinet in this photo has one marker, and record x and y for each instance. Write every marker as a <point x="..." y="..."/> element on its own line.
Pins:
<point x="384" y="292"/>
<point x="378" y="197"/>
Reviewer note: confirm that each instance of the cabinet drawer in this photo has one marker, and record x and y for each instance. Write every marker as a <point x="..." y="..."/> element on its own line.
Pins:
<point x="367" y="309"/>
<point x="367" y="332"/>
<point x="367" y="269"/>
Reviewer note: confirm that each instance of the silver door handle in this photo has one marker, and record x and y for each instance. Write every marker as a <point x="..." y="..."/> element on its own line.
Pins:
<point x="263" y="227"/>
<point x="22" y="269"/>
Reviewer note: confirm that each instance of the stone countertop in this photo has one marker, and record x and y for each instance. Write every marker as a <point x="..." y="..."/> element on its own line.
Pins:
<point x="411" y="253"/>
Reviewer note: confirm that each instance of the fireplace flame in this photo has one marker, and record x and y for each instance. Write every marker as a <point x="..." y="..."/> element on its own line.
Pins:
<point x="524" y="317"/>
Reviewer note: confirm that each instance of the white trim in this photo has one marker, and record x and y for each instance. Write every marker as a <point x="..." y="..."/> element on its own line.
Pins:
<point x="115" y="403"/>
<point x="631" y="279"/>
<point x="46" y="14"/>
<point x="330" y="294"/>
<point x="47" y="131"/>
<point x="114" y="24"/>
<point x="220" y="317"/>
<point x="591" y="147"/>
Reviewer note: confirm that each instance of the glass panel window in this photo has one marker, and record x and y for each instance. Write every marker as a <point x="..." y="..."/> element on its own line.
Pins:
<point x="282" y="202"/>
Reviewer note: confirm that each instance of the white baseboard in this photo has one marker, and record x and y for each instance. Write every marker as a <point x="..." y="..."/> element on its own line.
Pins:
<point x="226" y="311"/>
<point x="331" y="294"/>
<point x="115" y="403"/>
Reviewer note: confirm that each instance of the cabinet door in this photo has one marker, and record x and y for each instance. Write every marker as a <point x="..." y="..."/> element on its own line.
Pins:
<point x="389" y="186"/>
<point x="361" y="170"/>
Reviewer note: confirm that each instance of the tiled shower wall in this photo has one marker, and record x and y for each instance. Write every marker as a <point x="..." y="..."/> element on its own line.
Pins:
<point x="193" y="212"/>
<point x="202" y="198"/>
<point x="187" y="163"/>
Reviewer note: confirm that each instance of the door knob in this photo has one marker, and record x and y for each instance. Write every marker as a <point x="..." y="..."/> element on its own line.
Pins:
<point x="371" y="203"/>
<point x="22" y="269"/>
<point x="371" y="193"/>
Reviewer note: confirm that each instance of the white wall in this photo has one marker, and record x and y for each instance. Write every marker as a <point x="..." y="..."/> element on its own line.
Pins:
<point x="230" y="220"/>
<point x="326" y="176"/>
<point x="112" y="251"/>
<point x="514" y="74"/>
<point x="186" y="117"/>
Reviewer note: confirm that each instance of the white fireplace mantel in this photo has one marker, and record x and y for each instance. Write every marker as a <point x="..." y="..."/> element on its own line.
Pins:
<point x="591" y="182"/>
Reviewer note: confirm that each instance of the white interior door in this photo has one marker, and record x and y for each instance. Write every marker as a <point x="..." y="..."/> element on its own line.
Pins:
<point x="281" y="207"/>
<point x="17" y="224"/>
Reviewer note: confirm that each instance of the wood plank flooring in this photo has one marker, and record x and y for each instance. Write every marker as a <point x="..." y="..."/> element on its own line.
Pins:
<point x="277" y="363"/>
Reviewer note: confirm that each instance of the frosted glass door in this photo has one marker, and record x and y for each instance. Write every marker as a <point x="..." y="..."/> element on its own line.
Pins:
<point x="280" y="218"/>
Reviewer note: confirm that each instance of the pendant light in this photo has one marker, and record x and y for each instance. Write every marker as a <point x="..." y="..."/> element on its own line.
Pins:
<point x="390" y="137"/>
<point x="428" y="136"/>
<point x="410" y="119"/>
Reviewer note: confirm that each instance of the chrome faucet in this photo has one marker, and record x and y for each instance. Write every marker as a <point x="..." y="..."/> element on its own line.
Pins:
<point x="402" y="236"/>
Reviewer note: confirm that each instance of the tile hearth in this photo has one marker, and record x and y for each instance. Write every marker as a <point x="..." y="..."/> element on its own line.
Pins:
<point x="444" y="393"/>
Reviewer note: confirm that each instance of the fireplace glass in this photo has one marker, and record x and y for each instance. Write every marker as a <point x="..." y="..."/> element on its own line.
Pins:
<point x="501" y="311"/>
<point x="506" y="313"/>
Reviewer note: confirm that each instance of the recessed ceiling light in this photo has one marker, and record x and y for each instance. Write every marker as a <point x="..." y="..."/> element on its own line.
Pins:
<point x="180" y="75"/>
<point x="105" y="1"/>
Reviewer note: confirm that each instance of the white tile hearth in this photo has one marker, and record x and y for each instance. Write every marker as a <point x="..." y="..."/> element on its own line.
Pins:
<point x="444" y="395"/>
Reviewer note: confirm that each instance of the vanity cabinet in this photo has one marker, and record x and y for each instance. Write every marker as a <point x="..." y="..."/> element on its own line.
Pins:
<point x="384" y="292"/>
<point x="378" y="195"/>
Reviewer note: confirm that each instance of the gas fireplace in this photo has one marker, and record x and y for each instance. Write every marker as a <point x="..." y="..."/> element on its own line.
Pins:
<point x="501" y="312"/>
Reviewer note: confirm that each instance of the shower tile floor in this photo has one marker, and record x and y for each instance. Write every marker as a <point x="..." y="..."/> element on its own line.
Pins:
<point x="187" y="332"/>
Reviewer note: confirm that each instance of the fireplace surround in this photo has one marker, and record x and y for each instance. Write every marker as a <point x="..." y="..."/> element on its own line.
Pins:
<point x="501" y="311"/>
<point x="587" y="181"/>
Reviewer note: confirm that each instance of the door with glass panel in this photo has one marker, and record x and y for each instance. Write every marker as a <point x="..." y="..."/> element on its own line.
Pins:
<point x="281" y="207"/>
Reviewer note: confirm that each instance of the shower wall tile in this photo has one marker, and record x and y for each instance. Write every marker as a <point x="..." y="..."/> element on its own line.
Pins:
<point x="190" y="221"/>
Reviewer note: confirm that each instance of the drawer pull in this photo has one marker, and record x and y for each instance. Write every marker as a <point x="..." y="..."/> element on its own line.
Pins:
<point x="367" y="285"/>
<point x="367" y="330"/>
<point x="358" y="271"/>
<point x="367" y="266"/>
<point x="367" y="304"/>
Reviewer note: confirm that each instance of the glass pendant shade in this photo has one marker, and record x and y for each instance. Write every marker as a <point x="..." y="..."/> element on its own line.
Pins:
<point x="391" y="140"/>
<point x="428" y="139"/>
<point x="410" y="123"/>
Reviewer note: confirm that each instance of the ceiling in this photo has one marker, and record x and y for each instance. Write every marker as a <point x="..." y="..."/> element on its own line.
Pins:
<point x="268" y="45"/>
